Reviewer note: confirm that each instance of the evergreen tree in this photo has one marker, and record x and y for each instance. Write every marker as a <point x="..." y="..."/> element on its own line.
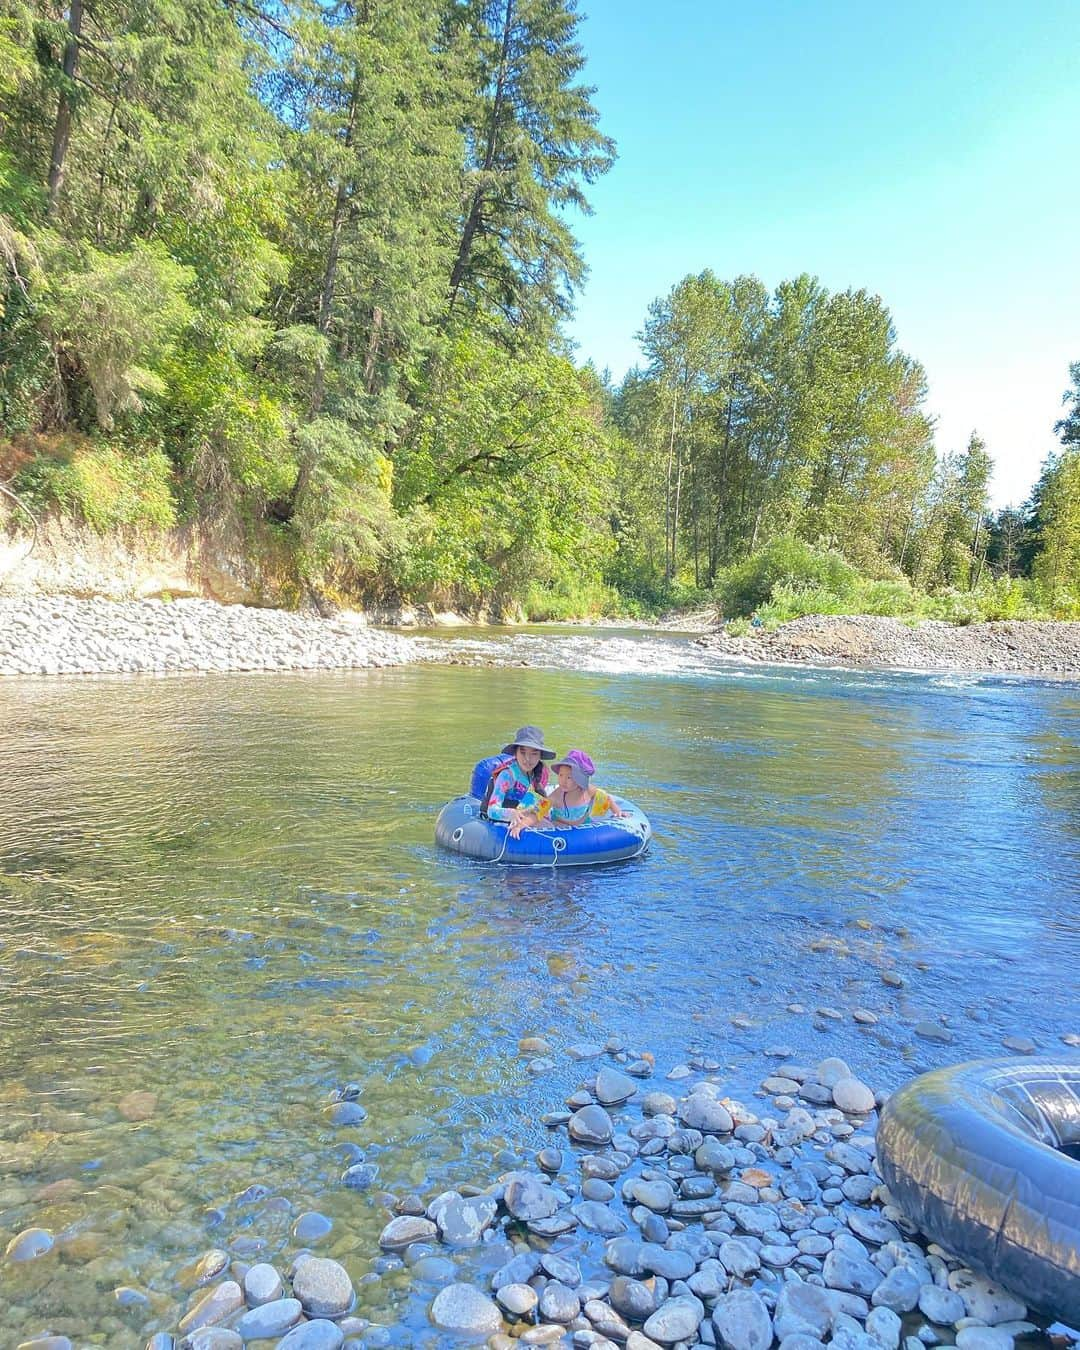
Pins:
<point x="532" y="145"/>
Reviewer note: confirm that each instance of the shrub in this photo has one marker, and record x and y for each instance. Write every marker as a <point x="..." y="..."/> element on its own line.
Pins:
<point x="790" y="566"/>
<point x="105" y="485"/>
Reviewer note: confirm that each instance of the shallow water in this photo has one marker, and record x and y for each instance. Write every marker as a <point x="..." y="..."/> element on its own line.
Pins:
<point x="223" y="891"/>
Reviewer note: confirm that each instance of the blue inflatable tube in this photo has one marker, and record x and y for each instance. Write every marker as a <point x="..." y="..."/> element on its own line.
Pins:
<point x="982" y="1158"/>
<point x="462" y="829"/>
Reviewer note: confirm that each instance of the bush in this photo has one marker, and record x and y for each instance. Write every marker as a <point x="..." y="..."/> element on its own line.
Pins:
<point x="785" y="569"/>
<point x="105" y="485"/>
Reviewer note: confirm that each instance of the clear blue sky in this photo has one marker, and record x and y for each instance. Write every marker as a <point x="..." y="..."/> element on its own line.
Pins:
<point x="927" y="152"/>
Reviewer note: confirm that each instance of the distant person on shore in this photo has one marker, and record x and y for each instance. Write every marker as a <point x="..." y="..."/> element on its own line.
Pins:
<point x="517" y="789"/>
<point x="756" y="620"/>
<point x="575" y="801"/>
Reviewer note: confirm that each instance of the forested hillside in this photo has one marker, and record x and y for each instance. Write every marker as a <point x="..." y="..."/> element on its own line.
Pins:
<point x="297" y="271"/>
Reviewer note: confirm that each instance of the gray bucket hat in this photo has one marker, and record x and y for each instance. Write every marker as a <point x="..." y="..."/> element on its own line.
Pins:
<point x="532" y="737"/>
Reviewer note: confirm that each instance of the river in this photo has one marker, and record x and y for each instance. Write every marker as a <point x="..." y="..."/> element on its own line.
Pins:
<point x="222" y="893"/>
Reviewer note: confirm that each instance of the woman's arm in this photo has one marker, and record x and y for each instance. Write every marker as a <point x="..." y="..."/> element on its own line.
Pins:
<point x="504" y="782"/>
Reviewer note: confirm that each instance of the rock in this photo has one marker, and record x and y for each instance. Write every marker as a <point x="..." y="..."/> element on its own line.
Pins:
<point x="632" y="1298"/>
<point x="706" y="1114"/>
<point x="347" y="1113"/>
<point x="741" y="1321"/>
<point x="984" y="1300"/>
<point x="598" y="1218"/>
<point x="933" y="1031"/>
<point x="403" y="1231"/>
<point x="831" y="1071"/>
<point x="591" y="1125"/>
<point x="270" y="1319"/>
<point x="984" y="1338"/>
<point x="804" y="1309"/>
<point x="677" y="1319"/>
<point x="29" y="1245"/>
<point x="311" y="1227"/>
<point x="583" y="1052"/>
<point x="713" y="1156"/>
<point x="137" y="1106"/>
<point x="561" y="1269"/>
<point x="1020" y="1045"/>
<point x="212" y="1338"/>
<point x="940" y="1306"/>
<point x="899" y="1291"/>
<point x="885" y="1326"/>
<point x="527" y="1198"/>
<point x="360" y="1176"/>
<point x="324" y="1287"/>
<point x="517" y="1299"/>
<point x="464" y="1308"/>
<point x="317" y="1335"/>
<point x="46" y="1343"/>
<point x="864" y="1016"/>
<point x="215" y="1306"/>
<point x="550" y="1159"/>
<point x="670" y="1263"/>
<point x="516" y="1271"/>
<point x="613" y="1088"/>
<point x="636" y="1341"/>
<point x="655" y="1195"/>
<point x="843" y="1271"/>
<point x="462" y="1221"/>
<point x="558" y="1303"/>
<point x="738" y="1258"/>
<point x="534" y="1045"/>
<point x="210" y="1265"/>
<point x="606" y="1320"/>
<point x="852" y="1096"/>
<point x="872" y="1227"/>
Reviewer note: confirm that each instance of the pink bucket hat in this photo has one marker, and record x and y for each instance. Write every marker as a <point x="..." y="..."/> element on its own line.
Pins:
<point x="580" y="765"/>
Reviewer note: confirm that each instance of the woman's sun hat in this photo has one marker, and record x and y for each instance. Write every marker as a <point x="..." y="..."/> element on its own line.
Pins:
<point x="580" y="765"/>
<point x="532" y="738"/>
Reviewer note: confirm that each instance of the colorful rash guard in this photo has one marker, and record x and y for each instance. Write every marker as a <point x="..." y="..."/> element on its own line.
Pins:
<point x="573" y="815"/>
<point x="513" y="788"/>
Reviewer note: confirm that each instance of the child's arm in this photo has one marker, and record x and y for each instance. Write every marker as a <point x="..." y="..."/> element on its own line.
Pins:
<point x="603" y="801"/>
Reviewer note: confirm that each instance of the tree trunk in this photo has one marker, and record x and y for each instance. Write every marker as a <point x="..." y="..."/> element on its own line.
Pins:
<point x="62" y="128"/>
<point x="476" y="207"/>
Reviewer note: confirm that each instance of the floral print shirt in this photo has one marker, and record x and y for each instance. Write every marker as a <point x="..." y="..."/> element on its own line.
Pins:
<point x="512" y="781"/>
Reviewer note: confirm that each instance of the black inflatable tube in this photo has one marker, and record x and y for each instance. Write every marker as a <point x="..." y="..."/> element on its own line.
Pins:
<point x="972" y="1155"/>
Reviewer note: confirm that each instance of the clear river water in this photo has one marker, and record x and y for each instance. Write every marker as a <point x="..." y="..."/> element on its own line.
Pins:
<point x="222" y="893"/>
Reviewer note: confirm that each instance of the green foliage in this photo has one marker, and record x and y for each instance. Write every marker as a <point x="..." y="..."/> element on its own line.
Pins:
<point x="115" y="318"/>
<point x="787" y="566"/>
<point x="1057" y="567"/>
<point x="107" y="485"/>
<point x="345" y="525"/>
<point x="506" y="484"/>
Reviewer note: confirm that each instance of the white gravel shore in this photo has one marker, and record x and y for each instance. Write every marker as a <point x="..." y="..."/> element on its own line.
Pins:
<point x="62" y="635"/>
<point x="1026" y="647"/>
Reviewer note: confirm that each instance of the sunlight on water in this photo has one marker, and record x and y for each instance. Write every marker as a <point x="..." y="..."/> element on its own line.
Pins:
<point x="220" y="900"/>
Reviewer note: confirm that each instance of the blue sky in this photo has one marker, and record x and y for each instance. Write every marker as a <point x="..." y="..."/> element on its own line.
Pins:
<point x="924" y="152"/>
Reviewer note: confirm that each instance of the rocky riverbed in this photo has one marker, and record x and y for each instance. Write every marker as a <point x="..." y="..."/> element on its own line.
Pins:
<point x="62" y="635"/>
<point x="1028" y="648"/>
<point x="661" y="1216"/>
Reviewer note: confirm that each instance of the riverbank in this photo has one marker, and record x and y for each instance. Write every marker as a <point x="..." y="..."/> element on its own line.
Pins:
<point x="660" y="1213"/>
<point x="1028" y="647"/>
<point x="61" y="635"/>
<point x="67" y="635"/>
